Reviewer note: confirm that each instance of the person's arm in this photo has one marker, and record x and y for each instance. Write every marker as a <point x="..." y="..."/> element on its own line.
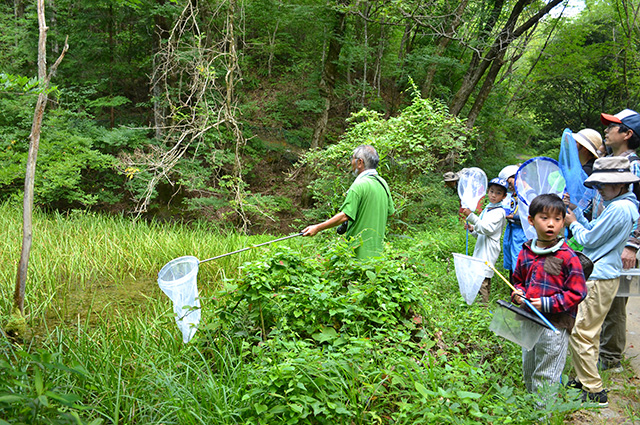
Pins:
<point x="611" y="223"/>
<point x="334" y="221"/>
<point x="518" y="277"/>
<point x="631" y="249"/>
<point x="629" y="252"/>
<point x="489" y="224"/>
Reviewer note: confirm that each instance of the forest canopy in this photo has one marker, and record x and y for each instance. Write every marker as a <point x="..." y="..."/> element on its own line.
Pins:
<point x="205" y="108"/>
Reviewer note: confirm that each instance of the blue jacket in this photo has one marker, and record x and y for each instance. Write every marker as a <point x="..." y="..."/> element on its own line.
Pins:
<point x="604" y="238"/>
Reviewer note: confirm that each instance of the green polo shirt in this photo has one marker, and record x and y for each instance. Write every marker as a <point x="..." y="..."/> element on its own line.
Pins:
<point x="368" y="206"/>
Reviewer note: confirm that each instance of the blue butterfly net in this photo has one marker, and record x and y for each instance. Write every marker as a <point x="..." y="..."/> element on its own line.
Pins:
<point x="574" y="175"/>
<point x="535" y="177"/>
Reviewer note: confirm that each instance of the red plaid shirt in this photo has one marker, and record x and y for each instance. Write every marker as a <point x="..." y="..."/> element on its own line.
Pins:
<point x="556" y="278"/>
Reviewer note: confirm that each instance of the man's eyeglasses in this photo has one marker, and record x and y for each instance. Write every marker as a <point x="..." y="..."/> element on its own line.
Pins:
<point x="621" y="127"/>
<point x="597" y="186"/>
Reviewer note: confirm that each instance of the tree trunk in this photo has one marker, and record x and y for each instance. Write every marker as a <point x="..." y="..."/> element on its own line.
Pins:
<point x="18" y="8"/>
<point x="160" y="33"/>
<point x="34" y="142"/>
<point x="329" y="76"/>
<point x="476" y="68"/>
<point x="442" y="45"/>
<point x="496" y="52"/>
<point x="487" y="86"/>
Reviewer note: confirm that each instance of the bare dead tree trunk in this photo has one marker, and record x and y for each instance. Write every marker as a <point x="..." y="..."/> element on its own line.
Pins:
<point x="230" y="115"/>
<point x="34" y="143"/>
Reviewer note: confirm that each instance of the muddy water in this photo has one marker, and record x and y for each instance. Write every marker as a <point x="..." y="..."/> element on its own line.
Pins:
<point x="99" y="302"/>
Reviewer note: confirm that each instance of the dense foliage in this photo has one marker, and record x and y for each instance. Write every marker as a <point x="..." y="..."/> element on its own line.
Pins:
<point x="422" y="139"/>
<point x="155" y="110"/>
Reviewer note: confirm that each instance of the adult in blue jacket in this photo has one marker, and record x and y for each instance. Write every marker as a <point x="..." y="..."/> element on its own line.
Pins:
<point x="603" y="239"/>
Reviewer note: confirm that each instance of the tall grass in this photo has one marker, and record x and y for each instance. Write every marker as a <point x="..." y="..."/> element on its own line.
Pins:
<point x="86" y="254"/>
<point x="92" y="299"/>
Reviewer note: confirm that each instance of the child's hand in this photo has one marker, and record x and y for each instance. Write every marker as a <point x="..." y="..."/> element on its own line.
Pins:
<point x="466" y="212"/>
<point x="537" y="303"/>
<point x="517" y="295"/>
<point x="468" y="227"/>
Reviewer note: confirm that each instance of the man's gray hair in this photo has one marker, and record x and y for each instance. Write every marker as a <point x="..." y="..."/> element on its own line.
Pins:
<point x="368" y="155"/>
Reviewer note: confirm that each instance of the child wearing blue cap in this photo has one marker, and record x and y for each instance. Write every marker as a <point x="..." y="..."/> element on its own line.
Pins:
<point x="488" y="228"/>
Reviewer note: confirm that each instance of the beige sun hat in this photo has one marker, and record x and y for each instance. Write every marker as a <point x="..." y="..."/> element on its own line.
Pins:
<point x="451" y="177"/>
<point x="611" y="170"/>
<point x="590" y="139"/>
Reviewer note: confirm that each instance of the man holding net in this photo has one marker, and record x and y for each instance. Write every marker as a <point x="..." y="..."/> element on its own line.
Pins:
<point x="366" y="207"/>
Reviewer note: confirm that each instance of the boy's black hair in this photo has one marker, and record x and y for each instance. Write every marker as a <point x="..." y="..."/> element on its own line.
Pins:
<point x="504" y="191"/>
<point x="549" y="202"/>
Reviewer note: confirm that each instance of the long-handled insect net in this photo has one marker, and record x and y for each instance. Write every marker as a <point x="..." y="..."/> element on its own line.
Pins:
<point x="470" y="273"/>
<point x="571" y="167"/>
<point x="516" y="324"/>
<point x="535" y="177"/>
<point x="178" y="279"/>
<point x="472" y="187"/>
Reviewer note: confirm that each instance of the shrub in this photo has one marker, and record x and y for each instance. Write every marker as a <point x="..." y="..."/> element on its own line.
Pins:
<point x="419" y="141"/>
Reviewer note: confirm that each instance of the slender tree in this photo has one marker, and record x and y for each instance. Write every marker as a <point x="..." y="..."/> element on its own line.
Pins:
<point x="17" y="326"/>
<point x="493" y="58"/>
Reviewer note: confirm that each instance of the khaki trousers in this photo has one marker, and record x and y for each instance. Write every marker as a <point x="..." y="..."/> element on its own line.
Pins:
<point x="585" y="337"/>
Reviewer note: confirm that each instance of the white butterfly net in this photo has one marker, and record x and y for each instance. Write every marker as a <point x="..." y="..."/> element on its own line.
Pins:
<point x="509" y="325"/>
<point x="470" y="272"/>
<point x="535" y="177"/>
<point x="178" y="279"/>
<point x="472" y="186"/>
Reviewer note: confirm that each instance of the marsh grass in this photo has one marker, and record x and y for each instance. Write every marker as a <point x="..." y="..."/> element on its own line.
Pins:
<point x="84" y="266"/>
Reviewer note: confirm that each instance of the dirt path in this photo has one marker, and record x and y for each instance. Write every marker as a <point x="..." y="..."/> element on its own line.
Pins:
<point x="633" y="334"/>
<point x="624" y="393"/>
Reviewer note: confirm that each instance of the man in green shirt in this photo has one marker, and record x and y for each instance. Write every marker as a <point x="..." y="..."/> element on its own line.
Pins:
<point x="367" y="206"/>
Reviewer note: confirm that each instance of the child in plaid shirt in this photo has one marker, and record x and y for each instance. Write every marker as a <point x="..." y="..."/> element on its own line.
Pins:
<point x="549" y="274"/>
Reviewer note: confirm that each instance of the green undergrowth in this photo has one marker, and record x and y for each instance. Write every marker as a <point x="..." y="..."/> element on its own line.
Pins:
<point x="294" y="332"/>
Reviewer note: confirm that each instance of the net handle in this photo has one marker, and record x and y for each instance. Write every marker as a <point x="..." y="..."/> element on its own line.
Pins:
<point x="251" y="247"/>
<point x="526" y="301"/>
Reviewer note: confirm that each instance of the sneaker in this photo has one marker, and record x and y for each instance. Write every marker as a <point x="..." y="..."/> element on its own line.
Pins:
<point x="574" y="383"/>
<point x="615" y="367"/>
<point x="600" y="398"/>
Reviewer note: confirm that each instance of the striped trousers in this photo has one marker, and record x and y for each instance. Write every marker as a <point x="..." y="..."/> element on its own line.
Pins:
<point x="544" y="363"/>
